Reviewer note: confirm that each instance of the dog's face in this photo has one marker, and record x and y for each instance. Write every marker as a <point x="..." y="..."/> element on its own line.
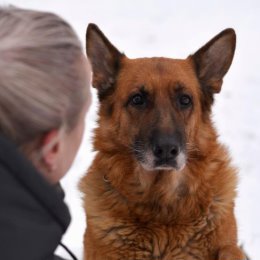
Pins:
<point x="157" y="103"/>
<point x="153" y="107"/>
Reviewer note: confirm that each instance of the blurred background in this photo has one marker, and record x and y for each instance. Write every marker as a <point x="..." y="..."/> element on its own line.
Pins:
<point x="176" y="29"/>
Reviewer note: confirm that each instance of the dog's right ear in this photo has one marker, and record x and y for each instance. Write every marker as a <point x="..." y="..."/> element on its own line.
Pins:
<point x="104" y="58"/>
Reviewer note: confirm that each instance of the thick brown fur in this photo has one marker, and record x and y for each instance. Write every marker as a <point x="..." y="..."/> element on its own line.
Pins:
<point x="139" y="214"/>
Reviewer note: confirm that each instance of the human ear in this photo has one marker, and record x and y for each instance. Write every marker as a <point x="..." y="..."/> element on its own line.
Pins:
<point x="50" y="149"/>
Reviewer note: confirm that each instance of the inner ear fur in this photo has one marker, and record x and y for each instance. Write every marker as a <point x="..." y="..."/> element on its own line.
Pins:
<point x="213" y="60"/>
<point x="104" y="58"/>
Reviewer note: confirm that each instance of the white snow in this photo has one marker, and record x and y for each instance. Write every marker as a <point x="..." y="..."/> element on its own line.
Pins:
<point x="175" y="29"/>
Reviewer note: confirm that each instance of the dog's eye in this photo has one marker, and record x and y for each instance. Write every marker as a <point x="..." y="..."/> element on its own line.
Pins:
<point x="185" y="101"/>
<point x="138" y="100"/>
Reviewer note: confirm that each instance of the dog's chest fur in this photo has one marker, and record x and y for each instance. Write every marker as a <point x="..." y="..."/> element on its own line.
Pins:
<point x="125" y="240"/>
<point x="126" y="231"/>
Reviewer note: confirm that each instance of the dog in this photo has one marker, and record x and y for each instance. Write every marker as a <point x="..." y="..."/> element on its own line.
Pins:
<point x="161" y="185"/>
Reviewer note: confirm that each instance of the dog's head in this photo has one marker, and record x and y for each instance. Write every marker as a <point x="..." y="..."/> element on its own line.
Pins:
<point x="155" y="108"/>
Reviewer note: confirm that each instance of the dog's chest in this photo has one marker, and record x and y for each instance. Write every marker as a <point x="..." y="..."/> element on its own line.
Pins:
<point x="161" y="242"/>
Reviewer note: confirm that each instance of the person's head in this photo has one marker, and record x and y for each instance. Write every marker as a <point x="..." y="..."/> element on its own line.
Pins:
<point x="44" y="88"/>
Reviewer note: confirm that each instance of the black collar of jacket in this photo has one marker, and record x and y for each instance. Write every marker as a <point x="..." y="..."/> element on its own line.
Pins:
<point x="51" y="198"/>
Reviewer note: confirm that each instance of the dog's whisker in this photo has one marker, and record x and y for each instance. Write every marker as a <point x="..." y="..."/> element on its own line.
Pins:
<point x="192" y="148"/>
<point x="136" y="150"/>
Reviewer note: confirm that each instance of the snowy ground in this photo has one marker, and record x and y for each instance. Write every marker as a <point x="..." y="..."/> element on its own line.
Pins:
<point x="175" y="29"/>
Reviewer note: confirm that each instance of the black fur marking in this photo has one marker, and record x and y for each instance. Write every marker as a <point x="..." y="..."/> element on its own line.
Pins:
<point x="110" y="109"/>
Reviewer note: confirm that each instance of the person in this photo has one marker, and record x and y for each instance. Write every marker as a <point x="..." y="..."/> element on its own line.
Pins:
<point x="44" y="97"/>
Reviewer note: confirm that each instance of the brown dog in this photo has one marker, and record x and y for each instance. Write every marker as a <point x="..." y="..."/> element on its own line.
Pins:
<point x="161" y="185"/>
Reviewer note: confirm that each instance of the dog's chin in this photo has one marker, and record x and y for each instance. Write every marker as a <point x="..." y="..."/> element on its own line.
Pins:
<point x="163" y="167"/>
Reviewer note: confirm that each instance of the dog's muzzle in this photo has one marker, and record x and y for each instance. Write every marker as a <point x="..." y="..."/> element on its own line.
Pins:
<point x="164" y="153"/>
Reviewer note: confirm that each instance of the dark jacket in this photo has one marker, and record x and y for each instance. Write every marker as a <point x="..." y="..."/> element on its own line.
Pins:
<point x="33" y="216"/>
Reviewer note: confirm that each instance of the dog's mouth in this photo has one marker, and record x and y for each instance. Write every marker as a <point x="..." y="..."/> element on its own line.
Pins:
<point x="150" y="163"/>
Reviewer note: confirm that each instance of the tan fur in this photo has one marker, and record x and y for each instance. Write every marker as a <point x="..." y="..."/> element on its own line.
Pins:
<point x="134" y="214"/>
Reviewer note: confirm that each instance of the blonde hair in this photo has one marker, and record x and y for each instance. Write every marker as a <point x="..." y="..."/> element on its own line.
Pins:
<point x="41" y="85"/>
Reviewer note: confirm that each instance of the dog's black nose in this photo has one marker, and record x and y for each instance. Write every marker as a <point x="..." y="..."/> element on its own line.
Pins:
<point x="166" y="148"/>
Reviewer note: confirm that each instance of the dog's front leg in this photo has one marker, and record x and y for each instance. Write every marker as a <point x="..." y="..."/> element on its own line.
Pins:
<point x="231" y="253"/>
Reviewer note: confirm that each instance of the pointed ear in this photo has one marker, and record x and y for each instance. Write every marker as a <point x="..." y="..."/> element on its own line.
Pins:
<point x="213" y="60"/>
<point x="104" y="58"/>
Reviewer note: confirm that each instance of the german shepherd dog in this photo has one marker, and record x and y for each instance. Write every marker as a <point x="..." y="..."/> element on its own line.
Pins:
<point x="161" y="186"/>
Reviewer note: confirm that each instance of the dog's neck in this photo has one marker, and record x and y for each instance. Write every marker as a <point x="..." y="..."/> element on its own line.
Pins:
<point x="161" y="196"/>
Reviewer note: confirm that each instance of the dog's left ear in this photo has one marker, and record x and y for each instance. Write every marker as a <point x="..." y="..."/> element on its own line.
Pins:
<point x="104" y="59"/>
<point x="213" y="60"/>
